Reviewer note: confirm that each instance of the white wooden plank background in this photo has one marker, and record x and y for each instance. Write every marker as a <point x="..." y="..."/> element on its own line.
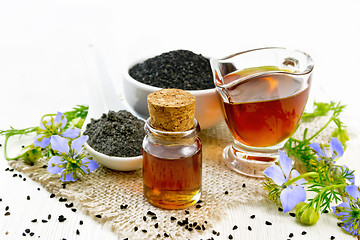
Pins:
<point x="41" y="71"/>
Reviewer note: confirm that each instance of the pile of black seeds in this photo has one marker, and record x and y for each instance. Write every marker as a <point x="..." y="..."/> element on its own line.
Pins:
<point x="118" y="134"/>
<point x="180" y="69"/>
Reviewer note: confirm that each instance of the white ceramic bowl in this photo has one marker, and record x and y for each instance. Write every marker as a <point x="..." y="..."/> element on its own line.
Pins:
<point x="115" y="163"/>
<point x="207" y="112"/>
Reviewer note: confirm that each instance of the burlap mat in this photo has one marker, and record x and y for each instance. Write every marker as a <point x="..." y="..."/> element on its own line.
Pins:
<point x="117" y="197"/>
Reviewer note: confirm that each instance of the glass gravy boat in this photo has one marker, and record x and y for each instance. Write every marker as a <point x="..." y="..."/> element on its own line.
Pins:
<point x="264" y="92"/>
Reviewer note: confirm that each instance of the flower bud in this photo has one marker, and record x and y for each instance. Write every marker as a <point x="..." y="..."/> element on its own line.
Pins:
<point x="306" y="214"/>
<point x="32" y="154"/>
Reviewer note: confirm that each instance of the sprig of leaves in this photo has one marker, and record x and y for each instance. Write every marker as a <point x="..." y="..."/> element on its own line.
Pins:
<point x="299" y="148"/>
<point x="78" y="112"/>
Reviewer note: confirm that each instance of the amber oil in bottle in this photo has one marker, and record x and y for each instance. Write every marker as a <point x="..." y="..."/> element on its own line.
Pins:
<point x="172" y="152"/>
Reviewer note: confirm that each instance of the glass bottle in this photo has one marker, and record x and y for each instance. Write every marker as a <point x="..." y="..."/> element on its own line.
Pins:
<point x="172" y="167"/>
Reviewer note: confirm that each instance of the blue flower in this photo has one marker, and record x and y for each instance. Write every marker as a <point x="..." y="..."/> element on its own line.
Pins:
<point x="336" y="150"/>
<point x="290" y="195"/>
<point x="51" y="127"/>
<point x="349" y="212"/>
<point x="69" y="160"/>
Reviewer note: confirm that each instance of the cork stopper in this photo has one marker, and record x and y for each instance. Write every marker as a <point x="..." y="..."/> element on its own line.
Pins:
<point x="171" y="110"/>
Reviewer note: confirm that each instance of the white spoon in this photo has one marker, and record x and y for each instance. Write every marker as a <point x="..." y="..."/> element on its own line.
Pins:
<point x="102" y="98"/>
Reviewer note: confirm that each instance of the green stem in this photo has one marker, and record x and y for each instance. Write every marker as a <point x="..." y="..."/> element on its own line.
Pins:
<point x="321" y="129"/>
<point x="325" y="189"/>
<point x="5" y="152"/>
<point x="305" y="175"/>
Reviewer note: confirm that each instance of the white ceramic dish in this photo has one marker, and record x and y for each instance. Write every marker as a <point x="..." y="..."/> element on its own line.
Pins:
<point x="102" y="99"/>
<point x="115" y="163"/>
<point x="208" y="109"/>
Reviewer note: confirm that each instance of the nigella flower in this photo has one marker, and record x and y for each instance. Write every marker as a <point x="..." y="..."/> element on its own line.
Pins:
<point x="349" y="212"/>
<point x="290" y="195"/>
<point x="70" y="160"/>
<point x="336" y="151"/>
<point x="51" y="127"/>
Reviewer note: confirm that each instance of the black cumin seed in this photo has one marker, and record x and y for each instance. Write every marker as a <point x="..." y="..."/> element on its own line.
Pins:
<point x="230" y="236"/>
<point x="61" y="199"/>
<point x="158" y="236"/>
<point x="11" y="169"/>
<point x="166" y="235"/>
<point x="52" y="195"/>
<point x="44" y="221"/>
<point x="198" y="227"/>
<point x="98" y="216"/>
<point x="20" y="176"/>
<point x="61" y="218"/>
<point x="214" y="232"/>
<point x="81" y="222"/>
<point x="280" y="209"/>
<point x="194" y="224"/>
<point x="22" y="146"/>
<point x="32" y="234"/>
<point x="7" y="214"/>
<point x="218" y="234"/>
<point x="173" y="218"/>
<point x="268" y="223"/>
<point x="235" y="227"/>
<point x="186" y="227"/>
<point x="27" y="230"/>
<point x="24" y="179"/>
<point x="150" y="213"/>
<point x="15" y="175"/>
<point x="24" y="234"/>
<point x="0" y="199"/>
<point x="249" y="228"/>
<point x="38" y="189"/>
<point x="252" y="216"/>
<point x="144" y="231"/>
<point x="49" y="216"/>
<point x="28" y="197"/>
<point x="292" y="214"/>
<point x="34" y="220"/>
<point x="6" y="208"/>
<point x="303" y="233"/>
<point x="156" y="225"/>
<point x="326" y="211"/>
<point x="144" y="218"/>
<point x="63" y="185"/>
<point x="69" y="205"/>
<point x="203" y="227"/>
<point x="190" y="225"/>
<point x="244" y="185"/>
<point x="200" y="201"/>
<point x="44" y="166"/>
<point x="73" y="209"/>
<point x="77" y="232"/>
<point x="198" y="206"/>
<point x="136" y="228"/>
<point x="226" y="192"/>
<point x="154" y="217"/>
<point x="187" y="212"/>
<point x="332" y="237"/>
<point x="291" y="235"/>
<point x="190" y="229"/>
<point x="7" y="169"/>
<point x="180" y="223"/>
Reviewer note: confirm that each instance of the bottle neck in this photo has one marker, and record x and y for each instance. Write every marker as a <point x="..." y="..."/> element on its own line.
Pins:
<point x="167" y="137"/>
